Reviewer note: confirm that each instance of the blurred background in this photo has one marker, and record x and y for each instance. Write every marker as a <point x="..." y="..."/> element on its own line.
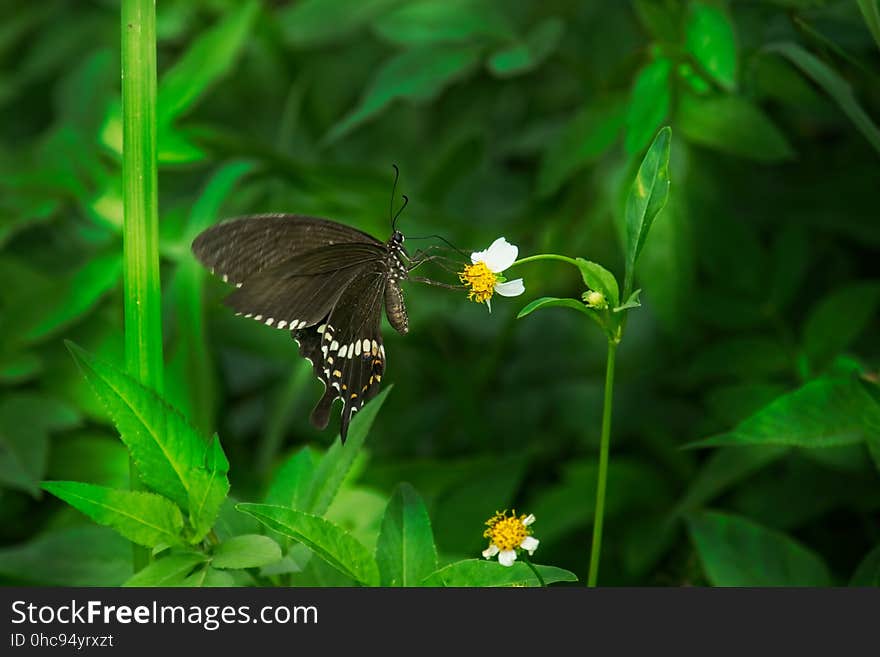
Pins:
<point x="518" y="118"/>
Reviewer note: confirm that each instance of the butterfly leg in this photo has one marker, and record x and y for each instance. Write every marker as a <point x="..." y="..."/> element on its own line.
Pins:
<point x="428" y="281"/>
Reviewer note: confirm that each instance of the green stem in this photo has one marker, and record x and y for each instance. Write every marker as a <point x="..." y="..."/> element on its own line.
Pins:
<point x="604" y="448"/>
<point x="545" y="256"/>
<point x="143" y="321"/>
<point x="529" y="563"/>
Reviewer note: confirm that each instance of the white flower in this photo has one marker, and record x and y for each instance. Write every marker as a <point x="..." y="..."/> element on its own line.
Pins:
<point x="482" y="275"/>
<point x="507" y="534"/>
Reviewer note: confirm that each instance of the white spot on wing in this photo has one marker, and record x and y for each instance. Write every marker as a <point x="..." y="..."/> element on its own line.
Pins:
<point x="342" y="351"/>
<point x="366" y="346"/>
<point x="282" y="324"/>
<point x="357" y="347"/>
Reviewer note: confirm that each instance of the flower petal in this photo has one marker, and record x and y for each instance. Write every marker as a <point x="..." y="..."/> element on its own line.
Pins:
<point x="510" y="288"/>
<point x="507" y="557"/>
<point x="490" y="551"/>
<point x="529" y="519"/>
<point x="529" y="544"/>
<point x="498" y="257"/>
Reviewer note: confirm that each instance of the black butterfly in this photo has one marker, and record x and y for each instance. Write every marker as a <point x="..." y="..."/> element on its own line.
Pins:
<point x="323" y="281"/>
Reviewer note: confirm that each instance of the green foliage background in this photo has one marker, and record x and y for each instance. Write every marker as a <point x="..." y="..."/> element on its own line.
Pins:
<point x="756" y="344"/>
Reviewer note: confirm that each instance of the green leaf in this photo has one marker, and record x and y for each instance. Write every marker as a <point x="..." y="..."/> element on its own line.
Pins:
<point x="405" y="551"/>
<point x="582" y="141"/>
<point x="452" y="21"/>
<point x="871" y="13"/>
<point x="338" y="460"/>
<point x="834" y="85"/>
<point x="293" y="481"/>
<point x="246" y="551"/>
<point x="479" y="572"/>
<point x="600" y="279"/>
<point x="646" y="199"/>
<point x="170" y="570"/>
<point x="143" y="518"/>
<point x="78" y="294"/>
<point x="86" y="555"/>
<point x="737" y="552"/>
<point x="631" y="302"/>
<point x="26" y="420"/>
<point x="554" y="302"/>
<point x="326" y="540"/>
<point x="825" y="412"/>
<point x="417" y="75"/>
<point x="171" y="457"/>
<point x="526" y="56"/>
<point x="314" y="22"/>
<point x="711" y="41"/>
<point x="839" y="319"/>
<point x="648" y="104"/>
<point x="868" y="571"/>
<point x="210" y="57"/>
<point x="731" y="124"/>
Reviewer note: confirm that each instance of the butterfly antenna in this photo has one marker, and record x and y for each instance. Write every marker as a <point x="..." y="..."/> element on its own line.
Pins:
<point x="394" y="221"/>
<point x="393" y="192"/>
<point x="442" y="239"/>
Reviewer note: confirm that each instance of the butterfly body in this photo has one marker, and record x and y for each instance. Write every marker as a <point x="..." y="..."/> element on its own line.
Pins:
<point x="324" y="282"/>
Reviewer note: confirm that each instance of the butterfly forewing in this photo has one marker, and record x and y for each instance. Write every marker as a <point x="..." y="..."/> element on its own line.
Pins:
<point x="239" y="248"/>
<point x="302" y="290"/>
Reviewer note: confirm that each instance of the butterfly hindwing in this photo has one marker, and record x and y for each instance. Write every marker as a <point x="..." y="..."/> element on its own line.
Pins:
<point x="346" y="348"/>
<point x="239" y="248"/>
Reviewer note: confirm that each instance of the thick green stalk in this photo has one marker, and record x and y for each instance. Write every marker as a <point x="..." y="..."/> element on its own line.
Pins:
<point x="143" y="321"/>
<point x="604" y="448"/>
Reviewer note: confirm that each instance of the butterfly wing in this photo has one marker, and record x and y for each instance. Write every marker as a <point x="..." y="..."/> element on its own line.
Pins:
<point x="239" y="248"/>
<point x="302" y="290"/>
<point x="346" y="349"/>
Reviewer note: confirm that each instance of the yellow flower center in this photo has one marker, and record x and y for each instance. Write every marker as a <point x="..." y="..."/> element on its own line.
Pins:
<point x="595" y="299"/>
<point x="480" y="280"/>
<point x="506" y="533"/>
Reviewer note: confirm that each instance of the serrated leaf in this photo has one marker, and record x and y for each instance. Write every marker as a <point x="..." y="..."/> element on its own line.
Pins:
<point x="171" y="457"/>
<point x="328" y="541"/>
<point x="169" y="570"/>
<point x="246" y="551"/>
<point x="143" y="518"/>
<point x="825" y="412"/>
<point x="405" y="551"/>
<point x="417" y="75"/>
<point x="647" y="196"/>
<point x="710" y="39"/>
<point x="738" y="552"/>
<point x="479" y="572"/>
